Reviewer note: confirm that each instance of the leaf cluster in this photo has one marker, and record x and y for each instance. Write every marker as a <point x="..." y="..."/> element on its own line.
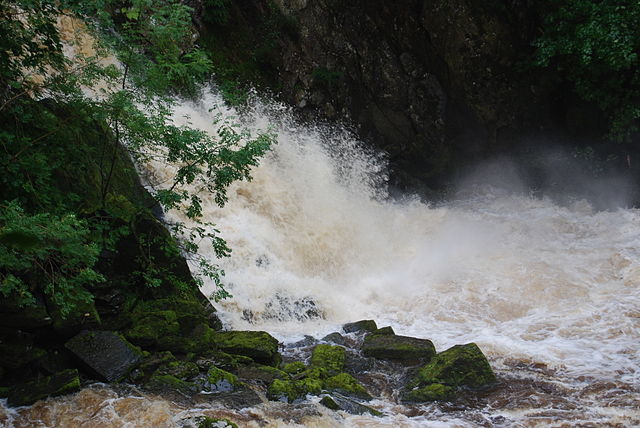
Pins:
<point x="595" y="44"/>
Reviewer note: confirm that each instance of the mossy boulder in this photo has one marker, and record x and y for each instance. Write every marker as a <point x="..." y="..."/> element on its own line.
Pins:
<point x="294" y="367"/>
<point x="334" y="337"/>
<point x="105" y="353"/>
<point x="290" y="391"/>
<point x="219" y="380"/>
<point x="61" y="383"/>
<point x="328" y="357"/>
<point x="385" y="330"/>
<point x="166" y="382"/>
<point x="433" y="392"/>
<point x="228" y="362"/>
<point x="402" y="349"/>
<point x="149" y="328"/>
<point x="180" y="369"/>
<point x="261" y="373"/>
<point x="347" y="384"/>
<point x="207" y="422"/>
<point x="258" y="345"/>
<point x="360" y="326"/>
<point x="336" y="402"/>
<point x="460" y="365"/>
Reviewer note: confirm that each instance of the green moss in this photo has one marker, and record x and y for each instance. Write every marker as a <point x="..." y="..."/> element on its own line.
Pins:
<point x="347" y="384"/>
<point x="360" y="326"/>
<point x="329" y="403"/>
<point x="150" y="327"/>
<point x="207" y="422"/>
<point x="258" y="345"/>
<point x="433" y="392"/>
<point x="331" y="358"/>
<point x="258" y="372"/>
<point x="461" y="365"/>
<point x="219" y="380"/>
<point x="179" y="369"/>
<point x="160" y="382"/>
<point x="294" y="367"/>
<point x="399" y="348"/>
<point x="283" y="390"/>
<point x="4" y="391"/>
<point x="385" y="330"/>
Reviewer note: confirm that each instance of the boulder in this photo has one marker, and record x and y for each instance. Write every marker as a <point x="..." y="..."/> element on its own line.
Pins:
<point x="402" y="349"/>
<point x="28" y="393"/>
<point x="337" y="402"/>
<point x="258" y="345"/>
<point x="329" y="358"/>
<point x="461" y="365"/>
<point x="360" y="326"/>
<point x="346" y="384"/>
<point x="218" y="380"/>
<point x="106" y="353"/>
<point x="336" y="338"/>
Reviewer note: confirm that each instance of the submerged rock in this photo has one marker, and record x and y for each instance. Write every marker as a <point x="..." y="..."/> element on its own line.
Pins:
<point x="335" y="337"/>
<point x="106" y="353"/>
<point x="337" y="402"/>
<point x="258" y="345"/>
<point x="61" y="383"/>
<point x="398" y="348"/>
<point x="360" y="326"/>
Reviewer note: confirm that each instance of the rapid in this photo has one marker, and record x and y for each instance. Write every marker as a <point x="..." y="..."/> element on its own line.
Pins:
<point x="549" y="291"/>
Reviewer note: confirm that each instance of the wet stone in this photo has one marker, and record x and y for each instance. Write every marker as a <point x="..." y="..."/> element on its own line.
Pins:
<point x="398" y="348"/>
<point x="61" y="383"/>
<point x="360" y="326"/>
<point x="107" y="354"/>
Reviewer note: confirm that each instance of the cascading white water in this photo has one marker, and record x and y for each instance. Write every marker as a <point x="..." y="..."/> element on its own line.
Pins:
<point x="549" y="292"/>
<point x="314" y="234"/>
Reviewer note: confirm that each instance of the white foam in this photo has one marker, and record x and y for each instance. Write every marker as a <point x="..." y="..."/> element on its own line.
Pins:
<point x="522" y="277"/>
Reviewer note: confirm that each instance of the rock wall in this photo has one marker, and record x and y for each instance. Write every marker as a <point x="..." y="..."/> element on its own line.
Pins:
<point x="435" y="84"/>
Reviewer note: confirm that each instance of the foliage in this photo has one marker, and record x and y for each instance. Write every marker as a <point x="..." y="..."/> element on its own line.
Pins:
<point x="595" y="44"/>
<point x="129" y="106"/>
<point x="52" y="252"/>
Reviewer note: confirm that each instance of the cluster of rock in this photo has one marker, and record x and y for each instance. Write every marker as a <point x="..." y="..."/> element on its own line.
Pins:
<point x="178" y="354"/>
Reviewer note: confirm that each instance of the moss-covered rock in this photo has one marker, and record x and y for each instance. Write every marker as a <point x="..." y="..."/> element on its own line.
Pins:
<point x="433" y="392"/>
<point x="384" y="330"/>
<point x="258" y="345"/>
<point x="461" y="365"/>
<point x="207" y="422"/>
<point x="294" y="367"/>
<point x="360" y="326"/>
<point x="261" y="373"/>
<point x="219" y="380"/>
<point x="167" y="382"/>
<point x="398" y="348"/>
<point x="284" y="390"/>
<point x="336" y="402"/>
<point x="61" y="383"/>
<point x="228" y="362"/>
<point x="151" y="327"/>
<point x="180" y="369"/>
<point x="347" y="384"/>
<point x="334" y="337"/>
<point x="328" y="357"/>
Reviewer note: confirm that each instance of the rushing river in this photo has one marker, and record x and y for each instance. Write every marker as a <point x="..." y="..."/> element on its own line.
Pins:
<point x="549" y="292"/>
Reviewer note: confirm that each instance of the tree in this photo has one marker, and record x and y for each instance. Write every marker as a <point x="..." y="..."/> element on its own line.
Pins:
<point x="132" y="101"/>
<point x="595" y="44"/>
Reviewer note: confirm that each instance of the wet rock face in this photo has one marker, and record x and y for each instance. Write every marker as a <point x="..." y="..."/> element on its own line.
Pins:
<point x="105" y="353"/>
<point x="432" y="83"/>
<point x="257" y="345"/>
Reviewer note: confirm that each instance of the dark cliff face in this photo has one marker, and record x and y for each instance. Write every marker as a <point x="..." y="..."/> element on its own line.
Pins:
<point x="437" y="85"/>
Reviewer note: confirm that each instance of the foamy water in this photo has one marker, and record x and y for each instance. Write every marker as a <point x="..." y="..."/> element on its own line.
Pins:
<point x="549" y="292"/>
